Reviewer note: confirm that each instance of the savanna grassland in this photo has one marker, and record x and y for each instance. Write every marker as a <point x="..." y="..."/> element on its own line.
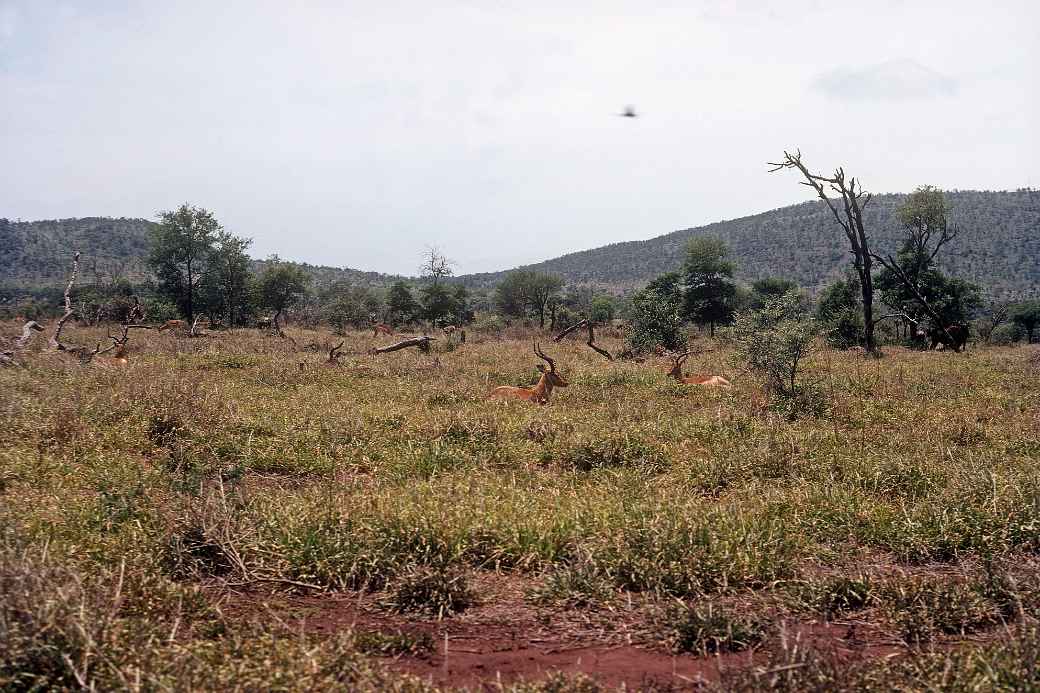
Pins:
<point x="231" y="512"/>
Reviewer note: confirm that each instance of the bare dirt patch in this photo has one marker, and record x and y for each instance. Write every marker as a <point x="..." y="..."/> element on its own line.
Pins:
<point x="505" y="639"/>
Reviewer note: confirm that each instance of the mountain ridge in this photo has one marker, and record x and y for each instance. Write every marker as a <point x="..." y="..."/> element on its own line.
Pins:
<point x="998" y="247"/>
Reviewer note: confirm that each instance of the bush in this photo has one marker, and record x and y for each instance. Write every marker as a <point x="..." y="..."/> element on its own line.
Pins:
<point x="657" y="316"/>
<point x="489" y="323"/>
<point x="1006" y="335"/>
<point x="774" y="341"/>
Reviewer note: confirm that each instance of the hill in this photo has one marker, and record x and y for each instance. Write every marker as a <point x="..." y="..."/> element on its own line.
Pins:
<point x="36" y="255"/>
<point x="998" y="245"/>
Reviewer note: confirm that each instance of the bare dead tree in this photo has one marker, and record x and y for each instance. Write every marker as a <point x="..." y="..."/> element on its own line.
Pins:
<point x="592" y="343"/>
<point x="422" y="343"/>
<point x="849" y="216"/>
<point x="55" y="340"/>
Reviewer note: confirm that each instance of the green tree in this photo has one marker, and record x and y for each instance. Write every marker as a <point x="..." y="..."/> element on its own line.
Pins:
<point x="438" y="303"/>
<point x="525" y="292"/>
<point x="910" y="281"/>
<point x="229" y="285"/>
<point x="281" y="285"/>
<point x="401" y="305"/>
<point x="182" y="244"/>
<point x="709" y="282"/>
<point x="770" y="287"/>
<point x="344" y="305"/>
<point x="838" y="309"/>
<point x="656" y="315"/>
<point x="1026" y="316"/>
<point x="462" y="313"/>
<point x="602" y="309"/>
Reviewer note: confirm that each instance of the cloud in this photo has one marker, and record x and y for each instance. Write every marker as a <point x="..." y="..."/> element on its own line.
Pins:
<point x="8" y="20"/>
<point x="895" y="80"/>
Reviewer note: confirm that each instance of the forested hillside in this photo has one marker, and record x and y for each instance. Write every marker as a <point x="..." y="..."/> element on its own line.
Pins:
<point x="998" y="245"/>
<point x="37" y="255"/>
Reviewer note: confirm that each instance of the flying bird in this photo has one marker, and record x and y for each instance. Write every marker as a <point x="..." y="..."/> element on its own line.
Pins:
<point x="629" y="112"/>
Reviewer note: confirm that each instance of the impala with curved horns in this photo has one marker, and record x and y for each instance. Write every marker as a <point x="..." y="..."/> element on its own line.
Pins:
<point x="697" y="378"/>
<point x="542" y="390"/>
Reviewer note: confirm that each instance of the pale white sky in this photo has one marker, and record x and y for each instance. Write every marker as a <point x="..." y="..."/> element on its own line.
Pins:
<point x="356" y="133"/>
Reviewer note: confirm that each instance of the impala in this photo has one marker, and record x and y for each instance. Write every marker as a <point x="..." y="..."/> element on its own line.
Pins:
<point x="170" y="324"/>
<point x="381" y="328"/>
<point x="542" y="390"/>
<point x="698" y="378"/>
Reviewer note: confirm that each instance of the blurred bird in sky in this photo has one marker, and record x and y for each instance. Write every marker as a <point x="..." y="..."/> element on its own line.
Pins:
<point x="629" y="112"/>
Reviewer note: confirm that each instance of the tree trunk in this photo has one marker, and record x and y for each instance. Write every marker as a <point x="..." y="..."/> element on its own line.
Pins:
<point x="191" y="290"/>
<point x="867" y="286"/>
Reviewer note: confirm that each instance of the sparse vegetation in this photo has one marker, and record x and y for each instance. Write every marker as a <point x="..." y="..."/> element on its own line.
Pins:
<point x="216" y="466"/>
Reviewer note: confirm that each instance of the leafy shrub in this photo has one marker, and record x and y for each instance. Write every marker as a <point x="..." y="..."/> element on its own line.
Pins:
<point x="656" y="316"/>
<point x="775" y="341"/>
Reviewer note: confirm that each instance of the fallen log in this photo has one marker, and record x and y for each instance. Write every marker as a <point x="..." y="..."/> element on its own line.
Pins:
<point x="576" y="326"/>
<point x="28" y="332"/>
<point x="421" y="343"/>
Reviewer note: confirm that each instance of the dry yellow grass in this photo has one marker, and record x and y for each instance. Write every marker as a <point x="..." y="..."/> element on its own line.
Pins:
<point x="239" y="458"/>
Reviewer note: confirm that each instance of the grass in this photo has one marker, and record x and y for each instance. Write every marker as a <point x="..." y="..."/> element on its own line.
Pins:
<point x="235" y="459"/>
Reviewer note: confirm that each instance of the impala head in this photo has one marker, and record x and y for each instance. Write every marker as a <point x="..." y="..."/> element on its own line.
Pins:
<point x="554" y="377"/>
<point x="678" y="360"/>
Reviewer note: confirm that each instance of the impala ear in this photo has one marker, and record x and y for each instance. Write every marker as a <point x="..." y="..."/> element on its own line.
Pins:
<point x="540" y="367"/>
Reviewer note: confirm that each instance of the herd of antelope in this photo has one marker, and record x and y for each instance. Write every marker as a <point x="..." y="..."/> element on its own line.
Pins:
<point x="542" y="390"/>
<point x="539" y="393"/>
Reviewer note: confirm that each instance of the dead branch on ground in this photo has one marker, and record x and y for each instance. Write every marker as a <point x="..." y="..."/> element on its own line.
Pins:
<point x="576" y="326"/>
<point x="421" y="343"/>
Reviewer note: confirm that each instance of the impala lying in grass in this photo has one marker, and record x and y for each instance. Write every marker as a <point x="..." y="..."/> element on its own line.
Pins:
<point x="542" y="390"/>
<point x="696" y="378"/>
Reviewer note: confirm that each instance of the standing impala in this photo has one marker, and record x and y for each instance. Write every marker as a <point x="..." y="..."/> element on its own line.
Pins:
<point x="542" y="390"/>
<point x="698" y="378"/>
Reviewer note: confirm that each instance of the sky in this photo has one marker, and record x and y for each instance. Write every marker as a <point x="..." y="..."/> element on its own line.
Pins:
<point x="356" y="134"/>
